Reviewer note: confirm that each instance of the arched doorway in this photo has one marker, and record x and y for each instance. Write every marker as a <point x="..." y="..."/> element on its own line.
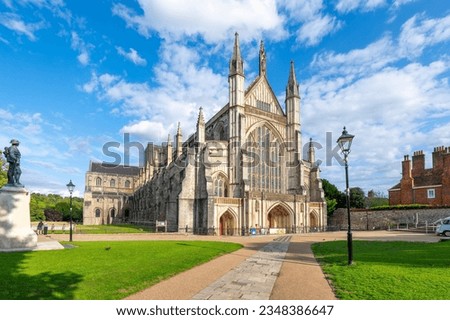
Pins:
<point x="112" y="215"/>
<point x="226" y="224"/>
<point x="313" y="222"/>
<point x="279" y="218"/>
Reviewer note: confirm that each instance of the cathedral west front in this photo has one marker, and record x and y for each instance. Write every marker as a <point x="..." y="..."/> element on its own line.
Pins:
<point x="242" y="172"/>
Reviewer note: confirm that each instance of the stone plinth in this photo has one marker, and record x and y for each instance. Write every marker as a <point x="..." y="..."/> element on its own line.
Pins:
<point x="15" y="224"/>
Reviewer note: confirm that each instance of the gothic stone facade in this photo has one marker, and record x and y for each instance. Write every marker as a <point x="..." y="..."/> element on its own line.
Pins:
<point x="241" y="171"/>
<point x="424" y="186"/>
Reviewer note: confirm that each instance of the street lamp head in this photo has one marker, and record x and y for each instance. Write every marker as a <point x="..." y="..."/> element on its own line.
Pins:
<point x="345" y="142"/>
<point x="70" y="186"/>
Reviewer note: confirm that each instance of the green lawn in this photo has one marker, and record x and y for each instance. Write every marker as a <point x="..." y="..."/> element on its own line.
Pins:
<point x="387" y="270"/>
<point x="110" y="229"/>
<point x="98" y="229"/>
<point x="100" y="270"/>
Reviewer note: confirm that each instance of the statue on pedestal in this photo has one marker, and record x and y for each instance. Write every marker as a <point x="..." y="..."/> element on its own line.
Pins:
<point x="13" y="155"/>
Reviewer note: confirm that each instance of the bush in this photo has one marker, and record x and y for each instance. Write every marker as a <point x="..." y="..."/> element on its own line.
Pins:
<point x="401" y="207"/>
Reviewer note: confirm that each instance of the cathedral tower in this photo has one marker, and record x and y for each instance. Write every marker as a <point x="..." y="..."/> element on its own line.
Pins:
<point x="293" y="132"/>
<point x="236" y="120"/>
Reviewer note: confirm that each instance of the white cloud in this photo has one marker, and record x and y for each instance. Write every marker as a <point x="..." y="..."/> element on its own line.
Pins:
<point x="213" y="20"/>
<point x="390" y="111"/>
<point x="302" y="10"/>
<point x="148" y="130"/>
<point x="418" y="33"/>
<point x="372" y="58"/>
<point x="393" y="109"/>
<point x="313" y="31"/>
<point x="183" y="83"/>
<point x="15" y="23"/>
<point x="8" y="3"/>
<point x="132" y="56"/>
<point x="41" y="3"/>
<point x="47" y="154"/>
<point x="308" y="17"/>
<point x="398" y="3"/>
<point x="345" y="6"/>
<point x="83" y="49"/>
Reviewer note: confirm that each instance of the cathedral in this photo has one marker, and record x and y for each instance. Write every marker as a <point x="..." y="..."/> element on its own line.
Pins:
<point x="242" y="172"/>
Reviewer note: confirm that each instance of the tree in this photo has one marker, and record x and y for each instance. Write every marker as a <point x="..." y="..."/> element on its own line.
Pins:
<point x="331" y="205"/>
<point x="335" y="199"/>
<point x="3" y="171"/>
<point x="52" y="215"/>
<point x="54" y="207"/>
<point x="376" y="199"/>
<point x="357" y="198"/>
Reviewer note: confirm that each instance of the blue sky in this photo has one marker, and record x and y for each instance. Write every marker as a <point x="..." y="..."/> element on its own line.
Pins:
<point x="75" y="75"/>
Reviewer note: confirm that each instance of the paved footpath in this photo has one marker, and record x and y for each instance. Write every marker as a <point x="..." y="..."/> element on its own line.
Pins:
<point x="253" y="279"/>
<point x="267" y="267"/>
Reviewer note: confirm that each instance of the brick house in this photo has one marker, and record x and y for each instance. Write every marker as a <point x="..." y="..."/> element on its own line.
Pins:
<point x="424" y="186"/>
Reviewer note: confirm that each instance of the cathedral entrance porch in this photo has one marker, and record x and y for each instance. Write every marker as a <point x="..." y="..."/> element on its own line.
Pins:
<point x="313" y="222"/>
<point x="227" y="224"/>
<point x="279" y="220"/>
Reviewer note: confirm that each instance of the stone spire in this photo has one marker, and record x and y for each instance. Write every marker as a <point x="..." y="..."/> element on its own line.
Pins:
<point x="179" y="142"/>
<point x="262" y="59"/>
<point x="312" y="153"/>
<point x="236" y="62"/>
<point x="292" y="88"/>
<point x="169" y="150"/>
<point x="200" y="127"/>
<point x="201" y="117"/>
<point x="293" y="133"/>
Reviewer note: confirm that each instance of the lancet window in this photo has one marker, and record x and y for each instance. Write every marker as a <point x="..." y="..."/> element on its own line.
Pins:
<point x="264" y="160"/>
<point x="220" y="186"/>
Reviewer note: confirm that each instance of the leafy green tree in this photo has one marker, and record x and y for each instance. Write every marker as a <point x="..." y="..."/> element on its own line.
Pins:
<point x="376" y="199"/>
<point x="335" y="199"/>
<point x="3" y="171"/>
<point x="37" y="206"/>
<point x="54" y="207"/>
<point x="52" y="215"/>
<point x="77" y="207"/>
<point x="331" y="205"/>
<point x="357" y="198"/>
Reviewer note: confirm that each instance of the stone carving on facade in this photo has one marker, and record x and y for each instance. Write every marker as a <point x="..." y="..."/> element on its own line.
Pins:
<point x="242" y="169"/>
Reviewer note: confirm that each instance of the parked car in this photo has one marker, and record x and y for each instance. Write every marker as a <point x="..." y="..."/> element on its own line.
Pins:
<point x="444" y="227"/>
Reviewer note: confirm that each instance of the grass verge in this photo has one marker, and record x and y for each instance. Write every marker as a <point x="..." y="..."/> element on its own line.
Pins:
<point x="387" y="270"/>
<point x="111" y="229"/>
<point x="100" y="270"/>
<point x="97" y="229"/>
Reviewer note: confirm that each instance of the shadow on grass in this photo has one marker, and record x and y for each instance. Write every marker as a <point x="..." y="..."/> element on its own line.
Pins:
<point x="15" y="282"/>
<point x="16" y="285"/>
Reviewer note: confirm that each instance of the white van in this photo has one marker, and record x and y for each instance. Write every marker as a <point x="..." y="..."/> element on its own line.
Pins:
<point x="444" y="227"/>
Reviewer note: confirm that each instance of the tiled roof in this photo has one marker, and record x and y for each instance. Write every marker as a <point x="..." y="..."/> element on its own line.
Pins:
<point x="397" y="186"/>
<point x="429" y="177"/>
<point x="108" y="168"/>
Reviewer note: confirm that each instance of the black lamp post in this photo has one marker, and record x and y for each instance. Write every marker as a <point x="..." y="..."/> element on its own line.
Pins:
<point x="345" y="142"/>
<point x="70" y="187"/>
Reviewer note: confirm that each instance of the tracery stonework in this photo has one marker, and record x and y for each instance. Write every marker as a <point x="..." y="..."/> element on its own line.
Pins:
<point x="242" y="171"/>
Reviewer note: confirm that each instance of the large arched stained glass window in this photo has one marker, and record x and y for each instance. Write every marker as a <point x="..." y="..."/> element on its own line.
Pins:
<point x="264" y="151"/>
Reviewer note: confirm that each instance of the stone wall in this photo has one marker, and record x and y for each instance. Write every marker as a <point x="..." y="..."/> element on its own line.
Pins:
<point x="385" y="219"/>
